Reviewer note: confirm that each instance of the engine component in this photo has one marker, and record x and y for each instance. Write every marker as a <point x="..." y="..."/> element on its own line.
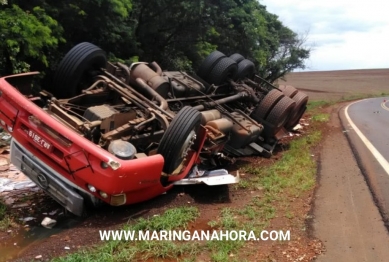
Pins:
<point x="224" y="125"/>
<point x="152" y="78"/>
<point x="110" y="117"/>
<point x="94" y="113"/>
<point x="183" y="84"/>
<point x="210" y="115"/>
<point x="243" y="133"/>
<point x="122" y="149"/>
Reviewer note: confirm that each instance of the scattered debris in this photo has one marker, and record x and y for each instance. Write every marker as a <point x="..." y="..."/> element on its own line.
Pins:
<point x="21" y="205"/>
<point x="48" y="222"/>
<point x="26" y="219"/>
<point x="4" y="163"/>
<point x="9" y="201"/>
<point x="6" y="136"/>
<point x="67" y="248"/>
<point x="9" y="185"/>
<point x="38" y="257"/>
<point x="298" y="127"/>
<point x="52" y="213"/>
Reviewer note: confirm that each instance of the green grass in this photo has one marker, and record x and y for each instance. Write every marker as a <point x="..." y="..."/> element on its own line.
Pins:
<point x="321" y="103"/>
<point x="295" y="171"/>
<point x="175" y="218"/>
<point x="321" y="117"/>
<point x="5" y="219"/>
<point x="171" y="219"/>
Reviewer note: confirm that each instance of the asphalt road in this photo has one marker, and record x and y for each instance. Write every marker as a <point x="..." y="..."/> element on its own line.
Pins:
<point x="368" y="131"/>
<point x="345" y="215"/>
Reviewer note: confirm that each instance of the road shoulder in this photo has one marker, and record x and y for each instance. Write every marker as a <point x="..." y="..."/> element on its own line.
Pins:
<point x="346" y="218"/>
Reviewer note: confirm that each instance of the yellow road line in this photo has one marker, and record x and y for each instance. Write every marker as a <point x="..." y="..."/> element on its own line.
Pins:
<point x="384" y="106"/>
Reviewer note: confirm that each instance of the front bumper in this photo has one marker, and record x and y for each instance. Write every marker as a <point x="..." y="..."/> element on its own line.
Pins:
<point x="47" y="179"/>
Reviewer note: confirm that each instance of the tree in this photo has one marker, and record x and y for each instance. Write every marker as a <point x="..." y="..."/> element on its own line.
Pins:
<point x="179" y="34"/>
<point x="176" y="34"/>
<point x="284" y="50"/>
<point x="26" y="38"/>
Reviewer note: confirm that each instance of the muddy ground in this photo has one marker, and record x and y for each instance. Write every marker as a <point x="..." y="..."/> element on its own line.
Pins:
<point x="28" y="241"/>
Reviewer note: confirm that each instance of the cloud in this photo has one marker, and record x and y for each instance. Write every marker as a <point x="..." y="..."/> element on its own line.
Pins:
<point x="344" y="34"/>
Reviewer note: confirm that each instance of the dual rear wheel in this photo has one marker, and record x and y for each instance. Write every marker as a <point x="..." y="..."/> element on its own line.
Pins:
<point x="217" y="68"/>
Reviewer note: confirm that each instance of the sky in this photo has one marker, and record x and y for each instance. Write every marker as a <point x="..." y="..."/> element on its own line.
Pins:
<point x="343" y="34"/>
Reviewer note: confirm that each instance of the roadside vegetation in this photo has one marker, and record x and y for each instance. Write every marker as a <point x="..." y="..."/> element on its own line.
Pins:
<point x="5" y="218"/>
<point x="271" y="190"/>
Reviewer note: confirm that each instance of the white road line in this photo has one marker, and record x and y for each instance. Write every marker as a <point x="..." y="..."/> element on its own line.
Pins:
<point x="368" y="144"/>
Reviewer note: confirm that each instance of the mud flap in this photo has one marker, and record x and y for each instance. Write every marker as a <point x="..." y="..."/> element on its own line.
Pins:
<point x="210" y="178"/>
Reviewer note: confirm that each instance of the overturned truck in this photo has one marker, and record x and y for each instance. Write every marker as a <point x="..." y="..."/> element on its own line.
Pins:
<point x="122" y="134"/>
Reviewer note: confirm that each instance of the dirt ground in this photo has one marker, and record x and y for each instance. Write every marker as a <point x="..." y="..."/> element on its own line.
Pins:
<point x="335" y="85"/>
<point x="210" y="200"/>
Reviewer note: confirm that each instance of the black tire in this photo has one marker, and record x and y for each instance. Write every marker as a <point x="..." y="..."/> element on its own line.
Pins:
<point x="224" y="69"/>
<point x="209" y="63"/>
<point x="76" y="64"/>
<point x="281" y="113"/>
<point x="173" y="141"/>
<point x="289" y="91"/>
<point x="266" y="105"/>
<point x="301" y="100"/>
<point x="246" y="69"/>
<point x="237" y="57"/>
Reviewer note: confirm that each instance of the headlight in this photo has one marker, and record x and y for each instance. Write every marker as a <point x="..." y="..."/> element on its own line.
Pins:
<point x="103" y="194"/>
<point x="91" y="188"/>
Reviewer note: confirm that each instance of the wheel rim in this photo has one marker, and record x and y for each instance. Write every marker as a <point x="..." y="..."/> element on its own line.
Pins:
<point x="188" y="144"/>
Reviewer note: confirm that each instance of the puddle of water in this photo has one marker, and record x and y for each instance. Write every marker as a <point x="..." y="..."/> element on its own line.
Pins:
<point x="25" y="238"/>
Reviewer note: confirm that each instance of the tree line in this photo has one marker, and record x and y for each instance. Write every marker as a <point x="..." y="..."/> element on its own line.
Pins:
<point x="35" y="34"/>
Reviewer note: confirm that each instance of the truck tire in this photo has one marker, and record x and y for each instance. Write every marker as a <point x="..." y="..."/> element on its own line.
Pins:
<point x="289" y="91"/>
<point x="208" y="64"/>
<point x="179" y="137"/>
<point x="246" y="69"/>
<point x="237" y="57"/>
<point x="76" y="64"/>
<point x="224" y="69"/>
<point x="266" y="105"/>
<point x="281" y="113"/>
<point x="301" y="100"/>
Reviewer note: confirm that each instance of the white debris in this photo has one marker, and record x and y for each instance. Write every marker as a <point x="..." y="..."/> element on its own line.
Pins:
<point x="6" y="137"/>
<point x="38" y="257"/>
<point x="48" y="222"/>
<point x="67" y="248"/>
<point x="297" y="127"/>
<point x="21" y="205"/>
<point x="26" y="219"/>
<point x="9" y="185"/>
<point x="52" y="213"/>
